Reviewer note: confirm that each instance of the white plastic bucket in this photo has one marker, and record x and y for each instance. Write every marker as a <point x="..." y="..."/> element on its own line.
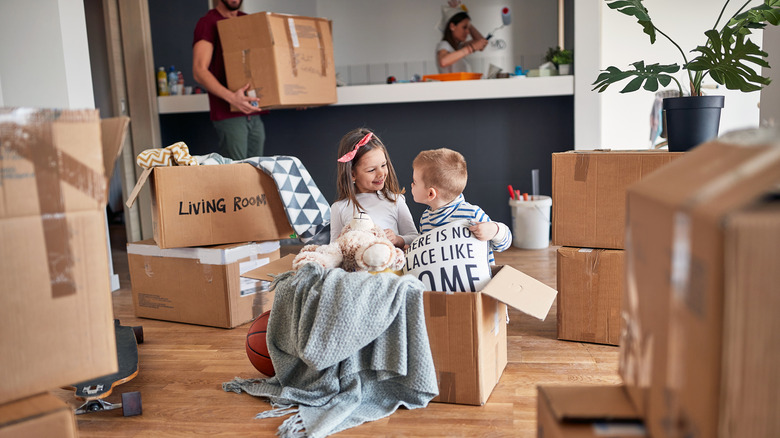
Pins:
<point x="531" y="222"/>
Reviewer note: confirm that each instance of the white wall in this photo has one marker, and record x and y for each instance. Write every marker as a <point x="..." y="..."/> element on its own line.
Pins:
<point x="44" y="55"/>
<point x="625" y="117"/>
<point x="374" y="39"/>
<point x="770" y="95"/>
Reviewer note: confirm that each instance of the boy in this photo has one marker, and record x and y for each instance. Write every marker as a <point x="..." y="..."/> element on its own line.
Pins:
<point x="438" y="181"/>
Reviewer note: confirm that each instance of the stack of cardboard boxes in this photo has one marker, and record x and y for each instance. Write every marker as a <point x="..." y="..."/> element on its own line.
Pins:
<point x="589" y="214"/>
<point x="214" y="223"/>
<point x="56" y="314"/>
<point x="211" y="225"/>
<point x="698" y="349"/>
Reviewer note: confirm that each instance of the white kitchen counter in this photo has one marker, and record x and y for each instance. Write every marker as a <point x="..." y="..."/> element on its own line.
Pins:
<point x="514" y="87"/>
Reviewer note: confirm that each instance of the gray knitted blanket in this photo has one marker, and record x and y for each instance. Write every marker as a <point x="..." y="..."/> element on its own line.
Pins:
<point x="347" y="348"/>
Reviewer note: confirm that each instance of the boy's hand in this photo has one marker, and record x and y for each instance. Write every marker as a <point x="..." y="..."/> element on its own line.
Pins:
<point x="483" y="230"/>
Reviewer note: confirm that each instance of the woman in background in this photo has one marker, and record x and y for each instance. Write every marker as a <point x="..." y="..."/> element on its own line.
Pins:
<point x="452" y="50"/>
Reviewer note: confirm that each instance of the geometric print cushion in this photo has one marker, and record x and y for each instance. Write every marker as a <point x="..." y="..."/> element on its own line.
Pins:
<point x="307" y="209"/>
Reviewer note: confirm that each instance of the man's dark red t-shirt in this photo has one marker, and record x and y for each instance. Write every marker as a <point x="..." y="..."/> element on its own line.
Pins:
<point x="206" y="29"/>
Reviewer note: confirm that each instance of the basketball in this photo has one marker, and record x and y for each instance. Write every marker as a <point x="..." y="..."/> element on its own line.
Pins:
<point x="256" y="348"/>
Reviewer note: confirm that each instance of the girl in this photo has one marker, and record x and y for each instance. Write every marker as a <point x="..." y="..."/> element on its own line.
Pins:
<point x="367" y="183"/>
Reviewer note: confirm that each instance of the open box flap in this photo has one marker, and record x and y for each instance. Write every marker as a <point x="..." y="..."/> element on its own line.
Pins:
<point x="113" y="133"/>
<point x="267" y="271"/>
<point x="138" y="185"/>
<point x="589" y="403"/>
<point x="521" y="292"/>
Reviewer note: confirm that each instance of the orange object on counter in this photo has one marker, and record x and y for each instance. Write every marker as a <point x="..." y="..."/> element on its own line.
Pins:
<point x="452" y="77"/>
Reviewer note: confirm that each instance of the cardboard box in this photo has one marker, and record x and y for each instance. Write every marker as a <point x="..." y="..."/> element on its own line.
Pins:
<point x="200" y="285"/>
<point x="589" y="194"/>
<point x="701" y="298"/>
<point x="467" y="331"/>
<point x="586" y="412"/>
<point x="42" y="415"/>
<point x="214" y="205"/>
<point x="286" y="59"/>
<point x="56" y="314"/>
<point x="591" y="283"/>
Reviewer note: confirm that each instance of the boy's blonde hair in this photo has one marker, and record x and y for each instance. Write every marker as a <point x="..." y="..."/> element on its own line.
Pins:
<point x="442" y="169"/>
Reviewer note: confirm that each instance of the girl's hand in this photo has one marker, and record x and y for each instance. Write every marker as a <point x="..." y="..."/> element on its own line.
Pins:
<point x="479" y="44"/>
<point x="397" y="240"/>
<point x="484" y="230"/>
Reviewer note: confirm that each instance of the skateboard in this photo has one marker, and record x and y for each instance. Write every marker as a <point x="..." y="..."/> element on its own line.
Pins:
<point x="94" y="391"/>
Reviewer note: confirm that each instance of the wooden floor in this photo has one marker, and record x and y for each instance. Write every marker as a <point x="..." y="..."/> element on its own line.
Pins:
<point x="182" y="368"/>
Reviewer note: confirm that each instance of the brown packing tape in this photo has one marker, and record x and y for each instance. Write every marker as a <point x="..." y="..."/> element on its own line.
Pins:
<point x="51" y="167"/>
<point x="581" y="167"/>
<point x="448" y="390"/>
<point x="246" y="60"/>
<point x="52" y="207"/>
<point x="437" y="304"/>
<point x="323" y="58"/>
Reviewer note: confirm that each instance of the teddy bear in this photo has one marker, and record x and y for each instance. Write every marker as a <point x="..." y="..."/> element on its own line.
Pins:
<point x="361" y="246"/>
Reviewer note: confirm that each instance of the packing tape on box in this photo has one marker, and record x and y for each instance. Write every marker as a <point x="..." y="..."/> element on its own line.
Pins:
<point x="177" y="154"/>
<point x="581" y="168"/>
<point x="636" y="346"/>
<point x="28" y="134"/>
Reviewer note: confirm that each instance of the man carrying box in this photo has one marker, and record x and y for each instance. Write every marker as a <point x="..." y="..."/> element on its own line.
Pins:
<point x="241" y="134"/>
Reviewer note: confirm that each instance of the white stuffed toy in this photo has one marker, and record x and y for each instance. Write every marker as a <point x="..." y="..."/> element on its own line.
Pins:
<point x="361" y="246"/>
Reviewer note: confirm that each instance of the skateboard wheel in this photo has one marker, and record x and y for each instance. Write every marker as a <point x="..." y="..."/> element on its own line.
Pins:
<point x="131" y="404"/>
<point x="138" y="331"/>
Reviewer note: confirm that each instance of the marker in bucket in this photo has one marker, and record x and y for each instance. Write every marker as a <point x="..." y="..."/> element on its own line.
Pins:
<point x="517" y="195"/>
<point x="511" y="191"/>
<point x="535" y="183"/>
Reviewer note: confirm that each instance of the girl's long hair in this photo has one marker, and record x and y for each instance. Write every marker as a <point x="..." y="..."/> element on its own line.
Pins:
<point x="344" y="186"/>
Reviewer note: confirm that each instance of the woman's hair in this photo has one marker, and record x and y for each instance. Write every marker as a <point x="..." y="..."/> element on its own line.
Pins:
<point x="457" y="18"/>
<point x="442" y="169"/>
<point x="344" y="185"/>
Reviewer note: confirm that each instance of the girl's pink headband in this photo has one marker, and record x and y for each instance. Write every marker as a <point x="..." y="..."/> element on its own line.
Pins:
<point x="351" y="154"/>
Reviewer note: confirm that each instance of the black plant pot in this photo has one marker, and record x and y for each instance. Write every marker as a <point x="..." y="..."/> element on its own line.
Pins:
<point x="691" y="120"/>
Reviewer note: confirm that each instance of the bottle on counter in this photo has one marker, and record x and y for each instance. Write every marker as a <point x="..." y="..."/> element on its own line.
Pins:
<point x="180" y="84"/>
<point x="162" y="82"/>
<point x="173" y="81"/>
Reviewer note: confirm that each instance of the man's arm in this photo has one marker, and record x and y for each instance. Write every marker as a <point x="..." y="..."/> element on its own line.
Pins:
<point x="202" y="52"/>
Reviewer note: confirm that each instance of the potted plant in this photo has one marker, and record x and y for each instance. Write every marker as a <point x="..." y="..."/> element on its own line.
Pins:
<point x="562" y="58"/>
<point x="724" y="57"/>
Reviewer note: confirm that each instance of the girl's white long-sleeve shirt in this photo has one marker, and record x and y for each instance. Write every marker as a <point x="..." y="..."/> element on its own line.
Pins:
<point x="383" y="212"/>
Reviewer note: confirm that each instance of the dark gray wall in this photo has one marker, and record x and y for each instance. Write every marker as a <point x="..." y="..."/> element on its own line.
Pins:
<point x="173" y="24"/>
<point x="502" y="140"/>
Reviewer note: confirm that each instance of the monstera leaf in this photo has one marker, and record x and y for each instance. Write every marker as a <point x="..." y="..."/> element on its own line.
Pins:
<point x="725" y="57"/>
<point x="635" y="8"/>
<point x="651" y="75"/>
<point x="758" y="16"/>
